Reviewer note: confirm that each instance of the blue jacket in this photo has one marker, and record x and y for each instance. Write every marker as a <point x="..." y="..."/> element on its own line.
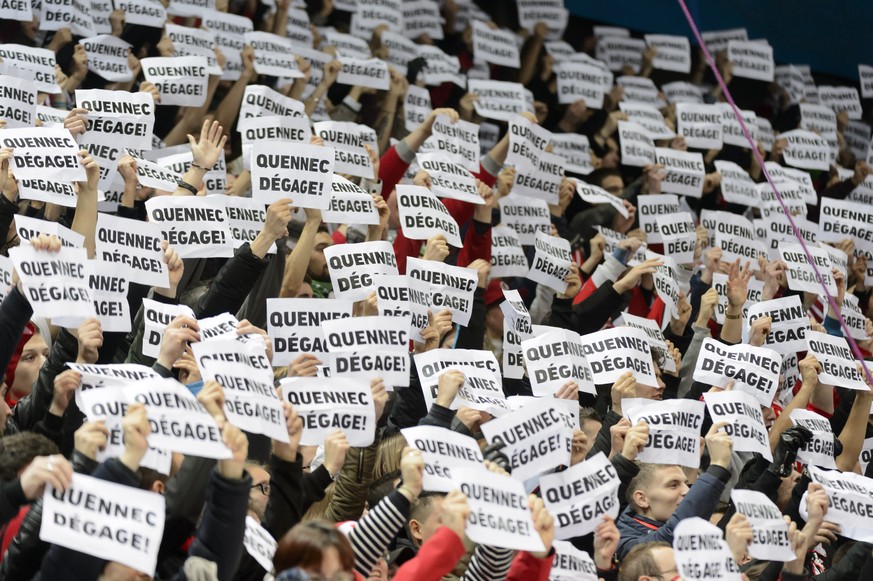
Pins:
<point x="701" y="501"/>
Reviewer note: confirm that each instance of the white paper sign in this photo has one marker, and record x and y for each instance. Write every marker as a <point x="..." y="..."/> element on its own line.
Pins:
<point x="149" y="13"/>
<point x="551" y="262"/>
<point x="821" y="450"/>
<point x="259" y="543"/>
<point x="754" y="370"/>
<point x="789" y="323"/>
<point x="499" y="513"/>
<point x="78" y="519"/>
<point x="806" y="150"/>
<point x="17" y="101"/>
<point x="43" y="153"/>
<point x="274" y="54"/>
<point x="612" y="352"/>
<point x="33" y="64"/>
<point x="448" y="178"/>
<point x="680" y="237"/>
<point x="537" y="438"/>
<point x="701" y="551"/>
<point x="180" y="80"/>
<point x="499" y="100"/>
<point x="800" y="273"/>
<point x="674" y="429"/>
<point x="135" y="249"/>
<point x="329" y="405"/>
<point x="649" y="208"/>
<point x="527" y="217"/>
<point x="507" y="255"/>
<point x="770" y="531"/>
<point x="685" y="171"/>
<point x="637" y="148"/>
<point x="423" y="216"/>
<point x="579" y="80"/>
<point x="294" y="325"/>
<point x="751" y="60"/>
<point x="552" y="359"/>
<point x="416" y="107"/>
<point x="442" y="451"/>
<point x="451" y="287"/>
<point x="55" y="284"/>
<point x="745" y="422"/>
<point x="196" y="227"/>
<point x="349" y="204"/>
<point x="370" y="73"/>
<point x="839" y="367"/>
<point x="298" y="171"/>
<point x="495" y="46"/>
<point x="700" y="124"/>
<point x="737" y="187"/>
<point x="580" y="496"/>
<point x="841" y="99"/>
<point x="157" y="316"/>
<point x="189" y="41"/>
<point x="348" y="140"/>
<point x="482" y="390"/>
<point x="674" y="52"/>
<point x="849" y="503"/>
<point x="352" y="267"/>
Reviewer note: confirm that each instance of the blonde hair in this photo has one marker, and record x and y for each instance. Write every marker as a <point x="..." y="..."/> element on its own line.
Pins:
<point x="318" y="510"/>
<point x="388" y="455"/>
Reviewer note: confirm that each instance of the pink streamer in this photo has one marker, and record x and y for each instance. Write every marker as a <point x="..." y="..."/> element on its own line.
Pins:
<point x="831" y="301"/>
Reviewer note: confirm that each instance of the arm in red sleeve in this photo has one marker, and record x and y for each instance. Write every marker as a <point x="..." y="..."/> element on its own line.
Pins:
<point x="404" y="247"/>
<point x="391" y="170"/>
<point x="486" y="176"/>
<point x="587" y="290"/>
<point x="477" y="244"/>
<point x="658" y="311"/>
<point x="526" y="567"/>
<point x="462" y="212"/>
<point x="437" y="557"/>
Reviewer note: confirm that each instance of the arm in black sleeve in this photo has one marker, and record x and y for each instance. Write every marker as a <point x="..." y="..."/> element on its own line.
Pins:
<point x="438" y="416"/>
<point x="113" y="343"/>
<point x="603" y="442"/>
<point x="15" y="312"/>
<point x="11" y="500"/>
<point x="473" y="335"/>
<point x="232" y="284"/>
<point x="33" y="407"/>
<point x="588" y="316"/>
<point x="220" y="533"/>
<point x="409" y="406"/>
<point x="185" y="494"/>
<point x="26" y="551"/>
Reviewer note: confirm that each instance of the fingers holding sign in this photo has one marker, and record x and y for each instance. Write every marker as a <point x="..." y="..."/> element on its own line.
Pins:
<point x="90" y="438"/>
<point x="544" y="524"/>
<point x="136" y="429"/>
<point x="437" y="249"/>
<point x="380" y="396"/>
<point x="238" y="444"/>
<point x="305" y="365"/>
<point x="455" y="512"/>
<point x="55" y="470"/>
<point x="450" y="383"/>
<point x="720" y="445"/>
<point x="412" y="473"/>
